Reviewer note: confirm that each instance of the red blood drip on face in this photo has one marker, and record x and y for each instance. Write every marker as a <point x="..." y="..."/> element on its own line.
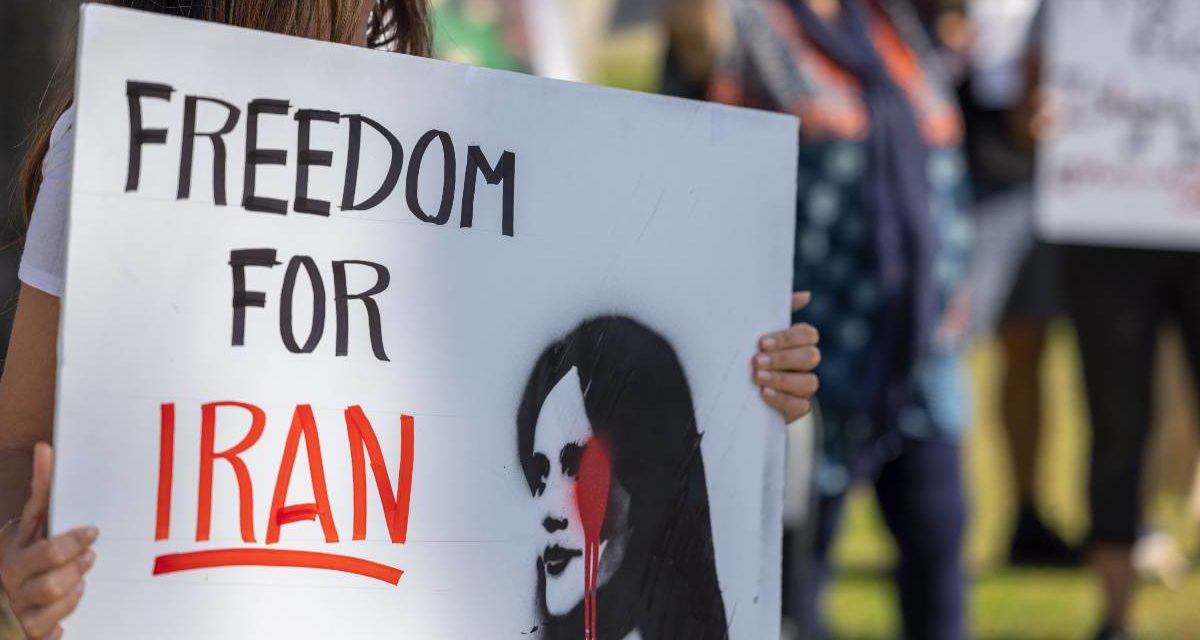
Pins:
<point x="591" y="498"/>
<point x="591" y="488"/>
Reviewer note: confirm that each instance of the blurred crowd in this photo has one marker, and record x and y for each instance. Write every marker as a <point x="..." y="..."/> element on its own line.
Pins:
<point x="921" y="122"/>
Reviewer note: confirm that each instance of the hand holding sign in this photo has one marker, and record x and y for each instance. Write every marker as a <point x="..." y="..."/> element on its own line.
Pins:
<point x="44" y="576"/>
<point x="783" y="368"/>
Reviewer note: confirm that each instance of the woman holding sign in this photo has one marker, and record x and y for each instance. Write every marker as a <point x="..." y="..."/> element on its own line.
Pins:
<point x="43" y="575"/>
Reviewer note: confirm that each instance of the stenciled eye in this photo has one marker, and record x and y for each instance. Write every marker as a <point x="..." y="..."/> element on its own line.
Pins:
<point x="569" y="458"/>
<point x="541" y="465"/>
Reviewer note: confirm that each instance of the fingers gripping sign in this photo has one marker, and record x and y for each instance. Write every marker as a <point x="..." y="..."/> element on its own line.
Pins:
<point x="785" y="363"/>
<point x="43" y="576"/>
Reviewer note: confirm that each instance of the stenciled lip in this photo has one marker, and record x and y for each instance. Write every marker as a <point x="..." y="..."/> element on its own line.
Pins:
<point x="557" y="558"/>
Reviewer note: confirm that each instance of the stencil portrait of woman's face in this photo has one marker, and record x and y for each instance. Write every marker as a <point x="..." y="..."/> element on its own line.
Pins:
<point x="572" y="509"/>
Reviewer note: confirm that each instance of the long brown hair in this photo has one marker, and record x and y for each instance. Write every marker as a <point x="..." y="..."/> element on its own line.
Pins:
<point x="396" y="25"/>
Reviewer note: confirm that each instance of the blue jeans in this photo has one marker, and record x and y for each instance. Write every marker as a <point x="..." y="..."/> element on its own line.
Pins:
<point x="920" y="493"/>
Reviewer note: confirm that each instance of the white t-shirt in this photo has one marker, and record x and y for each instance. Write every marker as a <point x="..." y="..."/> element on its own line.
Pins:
<point x="46" y="240"/>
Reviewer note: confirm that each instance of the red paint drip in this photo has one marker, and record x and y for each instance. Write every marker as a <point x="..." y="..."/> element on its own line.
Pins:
<point x="591" y="498"/>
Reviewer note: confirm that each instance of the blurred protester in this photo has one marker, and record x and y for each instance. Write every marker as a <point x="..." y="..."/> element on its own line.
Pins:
<point x="882" y="242"/>
<point x="1014" y="277"/>
<point x="1120" y="299"/>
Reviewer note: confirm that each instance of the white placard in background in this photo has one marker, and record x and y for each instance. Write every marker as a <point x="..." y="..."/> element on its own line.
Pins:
<point x="1122" y="166"/>
<point x="211" y="355"/>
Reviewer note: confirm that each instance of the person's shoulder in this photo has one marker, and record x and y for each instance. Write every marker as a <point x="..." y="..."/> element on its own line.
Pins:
<point x="57" y="160"/>
<point x="56" y="165"/>
<point x="42" y="260"/>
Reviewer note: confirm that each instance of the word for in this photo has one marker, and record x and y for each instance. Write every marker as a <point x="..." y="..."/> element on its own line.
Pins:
<point x="502" y="172"/>
<point x="364" y="449"/>
<point x="240" y="259"/>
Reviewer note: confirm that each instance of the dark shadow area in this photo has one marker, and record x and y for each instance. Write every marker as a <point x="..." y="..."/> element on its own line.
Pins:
<point x="34" y="47"/>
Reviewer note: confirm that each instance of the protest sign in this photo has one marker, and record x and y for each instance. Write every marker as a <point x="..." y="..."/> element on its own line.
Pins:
<point x="1122" y="163"/>
<point x="357" y="345"/>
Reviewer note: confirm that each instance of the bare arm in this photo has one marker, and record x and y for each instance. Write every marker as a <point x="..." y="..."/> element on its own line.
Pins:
<point x="26" y="395"/>
<point x="42" y="576"/>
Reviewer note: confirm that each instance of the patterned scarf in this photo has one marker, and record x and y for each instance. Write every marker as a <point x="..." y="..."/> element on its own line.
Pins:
<point x="896" y="198"/>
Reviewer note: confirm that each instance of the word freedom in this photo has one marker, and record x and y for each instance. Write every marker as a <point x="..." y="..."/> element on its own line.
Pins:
<point x="141" y="134"/>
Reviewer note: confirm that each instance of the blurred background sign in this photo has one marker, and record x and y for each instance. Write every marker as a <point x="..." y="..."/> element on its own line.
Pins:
<point x="1124" y="166"/>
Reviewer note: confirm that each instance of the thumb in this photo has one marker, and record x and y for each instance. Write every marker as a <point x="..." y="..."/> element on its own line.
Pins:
<point x="33" y="516"/>
<point x="800" y="299"/>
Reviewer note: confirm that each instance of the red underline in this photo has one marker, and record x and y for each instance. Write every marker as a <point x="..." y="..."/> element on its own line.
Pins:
<point x="274" y="558"/>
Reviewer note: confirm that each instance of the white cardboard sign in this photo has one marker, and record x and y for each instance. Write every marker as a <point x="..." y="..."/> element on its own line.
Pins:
<point x="1123" y="164"/>
<point x="361" y="345"/>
